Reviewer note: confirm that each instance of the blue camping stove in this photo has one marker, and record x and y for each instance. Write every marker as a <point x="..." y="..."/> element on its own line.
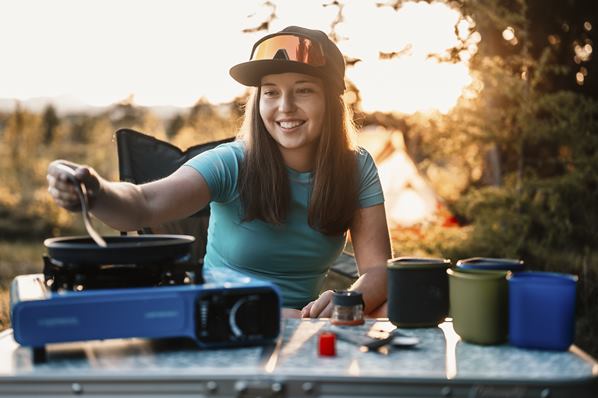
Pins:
<point x="214" y="314"/>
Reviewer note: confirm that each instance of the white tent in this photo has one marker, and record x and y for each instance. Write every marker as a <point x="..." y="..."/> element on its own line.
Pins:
<point x="409" y="199"/>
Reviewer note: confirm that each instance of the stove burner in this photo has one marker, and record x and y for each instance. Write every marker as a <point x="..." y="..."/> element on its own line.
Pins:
<point x="77" y="277"/>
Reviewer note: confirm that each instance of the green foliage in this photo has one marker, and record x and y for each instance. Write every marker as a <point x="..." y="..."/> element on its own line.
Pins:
<point x="16" y="258"/>
<point x="30" y="141"/>
<point x="548" y="200"/>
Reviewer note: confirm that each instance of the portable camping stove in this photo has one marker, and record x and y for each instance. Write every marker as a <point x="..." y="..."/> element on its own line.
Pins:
<point x="74" y="303"/>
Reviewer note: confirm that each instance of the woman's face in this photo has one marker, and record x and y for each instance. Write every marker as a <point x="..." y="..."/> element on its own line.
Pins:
<point x="292" y="106"/>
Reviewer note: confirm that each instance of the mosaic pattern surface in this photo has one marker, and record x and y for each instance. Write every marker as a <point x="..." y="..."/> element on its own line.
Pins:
<point x="439" y="355"/>
<point x="299" y="353"/>
<point x="132" y="357"/>
<point x="507" y="362"/>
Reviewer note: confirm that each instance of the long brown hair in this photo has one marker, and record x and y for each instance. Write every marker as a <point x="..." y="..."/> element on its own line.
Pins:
<point x="264" y="185"/>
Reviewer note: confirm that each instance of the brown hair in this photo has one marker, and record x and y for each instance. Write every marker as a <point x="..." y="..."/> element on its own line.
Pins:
<point x="264" y="185"/>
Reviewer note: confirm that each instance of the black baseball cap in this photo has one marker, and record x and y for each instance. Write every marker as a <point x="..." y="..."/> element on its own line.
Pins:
<point x="293" y="49"/>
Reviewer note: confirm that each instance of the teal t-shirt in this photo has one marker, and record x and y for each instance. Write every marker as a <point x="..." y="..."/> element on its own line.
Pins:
<point x="293" y="256"/>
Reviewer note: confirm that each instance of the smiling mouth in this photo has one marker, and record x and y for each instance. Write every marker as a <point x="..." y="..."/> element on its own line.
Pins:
<point x="290" y="124"/>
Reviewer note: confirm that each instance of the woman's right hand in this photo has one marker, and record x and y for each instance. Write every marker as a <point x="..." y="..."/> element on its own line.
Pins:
<point x="320" y="307"/>
<point x="62" y="189"/>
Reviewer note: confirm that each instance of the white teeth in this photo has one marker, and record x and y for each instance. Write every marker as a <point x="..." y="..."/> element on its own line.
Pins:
<point x="290" y="125"/>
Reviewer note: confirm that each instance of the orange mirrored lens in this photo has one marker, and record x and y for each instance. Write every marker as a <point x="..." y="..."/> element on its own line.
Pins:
<point x="289" y="47"/>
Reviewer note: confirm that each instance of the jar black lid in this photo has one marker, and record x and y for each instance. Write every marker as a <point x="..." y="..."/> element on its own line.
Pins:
<point x="347" y="297"/>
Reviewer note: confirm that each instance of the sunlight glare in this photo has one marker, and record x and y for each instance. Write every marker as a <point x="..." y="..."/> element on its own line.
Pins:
<point x="508" y="34"/>
<point x="176" y="52"/>
<point x="166" y="53"/>
<point x="587" y="26"/>
<point x="409" y="85"/>
<point x="412" y="81"/>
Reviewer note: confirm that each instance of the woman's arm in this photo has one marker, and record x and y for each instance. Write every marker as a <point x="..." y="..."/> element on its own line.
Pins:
<point x="128" y="207"/>
<point x="371" y="244"/>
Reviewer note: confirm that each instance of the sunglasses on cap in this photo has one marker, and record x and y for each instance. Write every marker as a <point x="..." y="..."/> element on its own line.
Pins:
<point x="289" y="47"/>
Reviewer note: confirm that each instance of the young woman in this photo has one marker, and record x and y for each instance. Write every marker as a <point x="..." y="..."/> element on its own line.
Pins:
<point x="282" y="196"/>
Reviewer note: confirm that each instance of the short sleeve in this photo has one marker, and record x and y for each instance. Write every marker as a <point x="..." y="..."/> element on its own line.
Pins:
<point x="220" y="169"/>
<point x="370" y="188"/>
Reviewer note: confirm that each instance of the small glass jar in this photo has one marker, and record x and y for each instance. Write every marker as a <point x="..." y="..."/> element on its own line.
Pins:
<point x="347" y="308"/>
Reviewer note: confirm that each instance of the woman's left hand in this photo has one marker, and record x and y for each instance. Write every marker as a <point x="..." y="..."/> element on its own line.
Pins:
<point x="319" y="308"/>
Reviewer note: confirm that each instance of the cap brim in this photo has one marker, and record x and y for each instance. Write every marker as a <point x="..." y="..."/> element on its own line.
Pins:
<point x="251" y="73"/>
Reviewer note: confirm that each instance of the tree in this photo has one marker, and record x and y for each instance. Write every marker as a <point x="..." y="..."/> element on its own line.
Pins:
<point x="542" y="118"/>
<point x="566" y="28"/>
<point x="50" y="122"/>
<point x="545" y="132"/>
<point x="174" y="125"/>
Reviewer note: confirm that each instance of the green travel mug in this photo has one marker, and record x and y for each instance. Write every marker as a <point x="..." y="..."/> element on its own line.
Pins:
<point x="479" y="305"/>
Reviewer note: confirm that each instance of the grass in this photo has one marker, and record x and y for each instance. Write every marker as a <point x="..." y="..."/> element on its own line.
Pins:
<point x="16" y="258"/>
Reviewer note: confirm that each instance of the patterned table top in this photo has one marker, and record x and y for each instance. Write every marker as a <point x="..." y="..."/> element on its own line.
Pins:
<point x="440" y="355"/>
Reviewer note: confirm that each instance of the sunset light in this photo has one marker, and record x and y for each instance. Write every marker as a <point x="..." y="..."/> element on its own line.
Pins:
<point x="176" y="52"/>
<point x="411" y="81"/>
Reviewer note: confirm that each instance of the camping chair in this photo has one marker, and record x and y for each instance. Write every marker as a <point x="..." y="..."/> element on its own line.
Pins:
<point x="143" y="158"/>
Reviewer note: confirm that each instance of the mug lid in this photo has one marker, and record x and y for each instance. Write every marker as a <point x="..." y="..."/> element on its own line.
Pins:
<point x="417" y="263"/>
<point x="478" y="274"/>
<point x="492" y="260"/>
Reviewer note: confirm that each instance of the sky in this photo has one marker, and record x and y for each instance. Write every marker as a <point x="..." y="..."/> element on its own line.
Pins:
<point x="174" y="52"/>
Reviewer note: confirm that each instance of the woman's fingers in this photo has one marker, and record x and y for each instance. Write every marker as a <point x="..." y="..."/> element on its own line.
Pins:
<point x="305" y="310"/>
<point x="91" y="180"/>
<point x="61" y="187"/>
<point x="61" y="191"/>
<point x="320" y="308"/>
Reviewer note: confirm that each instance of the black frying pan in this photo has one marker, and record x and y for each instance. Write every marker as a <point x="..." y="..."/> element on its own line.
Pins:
<point x="143" y="249"/>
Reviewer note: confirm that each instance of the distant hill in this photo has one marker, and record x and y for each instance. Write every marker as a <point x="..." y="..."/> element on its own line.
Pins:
<point x="66" y="104"/>
<point x="63" y="104"/>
